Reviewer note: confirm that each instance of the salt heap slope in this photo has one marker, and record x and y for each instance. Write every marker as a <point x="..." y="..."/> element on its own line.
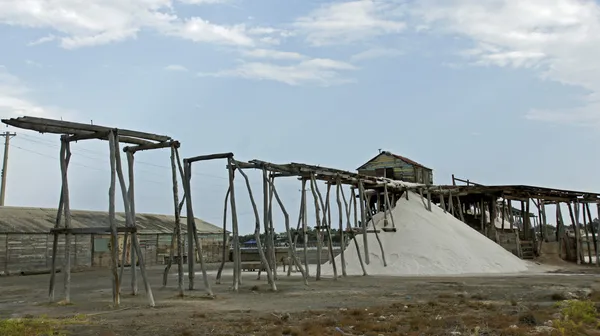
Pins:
<point x="427" y="243"/>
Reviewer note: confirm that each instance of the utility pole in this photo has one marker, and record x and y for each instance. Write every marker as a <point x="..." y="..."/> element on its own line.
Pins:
<point x="7" y="136"/>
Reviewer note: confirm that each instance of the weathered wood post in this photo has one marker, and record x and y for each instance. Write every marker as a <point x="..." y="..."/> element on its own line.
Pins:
<point x="304" y="226"/>
<point x="114" y="248"/>
<point x="594" y="239"/>
<point x="237" y="278"/>
<point x="318" y="225"/>
<point x="261" y="252"/>
<point x="338" y="186"/>
<point x="191" y="230"/>
<point x="349" y="209"/>
<point x="292" y="248"/>
<point x="131" y="194"/>
<point x="585" y="230"/>
<point x="576" y="231"/>
<point x="65" y="157"/>
<point x="268" y="239"/>
<point x="363" y="218"/>
<point x="225" y="240"/>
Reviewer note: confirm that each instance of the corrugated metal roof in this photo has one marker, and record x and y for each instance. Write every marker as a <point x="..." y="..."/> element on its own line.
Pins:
<point x="400" y="157"/>
<point x="41" y="220"/>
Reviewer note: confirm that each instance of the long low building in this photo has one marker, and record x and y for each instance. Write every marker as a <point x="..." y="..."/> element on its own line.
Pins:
<point x="26" y="241"/>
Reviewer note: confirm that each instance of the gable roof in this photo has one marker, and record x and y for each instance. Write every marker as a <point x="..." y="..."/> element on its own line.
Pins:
<point x="399" y="157"/>
<point x="41" y="220"/>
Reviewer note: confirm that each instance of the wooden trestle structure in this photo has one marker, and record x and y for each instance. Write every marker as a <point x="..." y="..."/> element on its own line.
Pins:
<point x="138" y="141"/>
<point x="497" y="201"/>
<point x="363" y="188"/>
<point x="368" y="195"/>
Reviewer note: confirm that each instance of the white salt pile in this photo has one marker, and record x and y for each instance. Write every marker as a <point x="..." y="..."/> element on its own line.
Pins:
<point x="427" y="243"/>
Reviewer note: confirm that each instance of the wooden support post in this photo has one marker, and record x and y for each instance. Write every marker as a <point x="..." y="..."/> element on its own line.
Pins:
<point x="576" y="230"/>
<point x="503" y="212"/>
<point x="428" y="200"/>
<point x="482" y="217"/>
<point x="328" y="227"/>
<point x="370" y="218"/>
<point x="271" y="227"/>
<point x="304" y="227"/>
<point x="65" y="157"/>
<point x="593" y="230"/>
<point x="172" y="248"/>
<point x="587" y="235"/>
<point x="237" y="278"/>
<point x="131" y="194"/>
<point x="318" y="199"/>
<point x="225" y="240"/>
<point x="191" y="224"/>
<point x="443" y="203"/>
<point x="348" y="225"/>
<point x="268" y="239"/>
<point x="493" y="214"/>
<point x="451" y="203"/>
<point x="261" y="252"/>
<point x="460" y="209"/>
<point x="363" y="218"/>
<point x="560" y="227"/>
<point x="298" y="227"/>
<point x="191" y="255"/>
<point x="530" y="234"/>
<point x="544" y="220"/>
<point x="338" y="187"/>
<point x="422" y="197"/>
<point x="114" y="248"/>
<point x="291" y="247"/>
<point x="128" y="219"/>
<point x="388" y="206"/>
<point x="318" y="227"/>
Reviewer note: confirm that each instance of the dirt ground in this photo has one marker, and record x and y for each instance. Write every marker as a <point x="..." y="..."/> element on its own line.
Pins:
<point x="490" y="305"/>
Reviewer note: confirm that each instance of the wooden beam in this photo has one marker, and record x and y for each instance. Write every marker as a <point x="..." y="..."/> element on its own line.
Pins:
<point x="152" y="146"/>
<point x="209" y="157"/>
<point x="66" y="127"/>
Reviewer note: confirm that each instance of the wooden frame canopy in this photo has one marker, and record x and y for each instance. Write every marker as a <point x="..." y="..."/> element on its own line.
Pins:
<point x="517" y="192"/>
<point x="78" y="131"/>
<point x="72" y="132"/>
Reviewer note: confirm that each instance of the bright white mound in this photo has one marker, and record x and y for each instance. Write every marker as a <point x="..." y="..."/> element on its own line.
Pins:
<point x="427" y="243"/>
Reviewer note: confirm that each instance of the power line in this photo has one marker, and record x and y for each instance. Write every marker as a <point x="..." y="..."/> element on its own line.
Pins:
<point x="52" y="144"/>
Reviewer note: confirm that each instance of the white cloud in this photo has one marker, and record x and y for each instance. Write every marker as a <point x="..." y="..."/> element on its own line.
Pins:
<point x="272" y="54"/>
<point x="199" y="30"/>
<point x="376" y="53"/>
<point x="558" y="38"/>
<point x="33" y="63"/>
<point x="317" y="71"/>
<point x="15" y="101"/>
<point x="41" y="40"/>
<point x="96" y="22"/>
<point x="350" y="21"/>
<point x="176" y="67"/>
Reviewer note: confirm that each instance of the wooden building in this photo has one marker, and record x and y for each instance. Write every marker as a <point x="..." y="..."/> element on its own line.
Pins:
<point x="397" y="167"/>
<point x="26" y="242"/>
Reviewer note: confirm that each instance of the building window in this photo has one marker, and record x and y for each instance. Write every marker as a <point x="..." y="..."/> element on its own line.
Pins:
<point x="385" y="172"/>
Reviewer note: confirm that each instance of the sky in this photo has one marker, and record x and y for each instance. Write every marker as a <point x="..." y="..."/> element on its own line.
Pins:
<point x="496" y="91"/>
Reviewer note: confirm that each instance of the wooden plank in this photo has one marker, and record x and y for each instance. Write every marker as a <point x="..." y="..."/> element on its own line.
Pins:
<point x="209" y="157"/>
<point x="35" y="122"/>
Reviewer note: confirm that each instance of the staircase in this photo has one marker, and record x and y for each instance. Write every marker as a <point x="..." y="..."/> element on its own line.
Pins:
<point x="527" y="251"/>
